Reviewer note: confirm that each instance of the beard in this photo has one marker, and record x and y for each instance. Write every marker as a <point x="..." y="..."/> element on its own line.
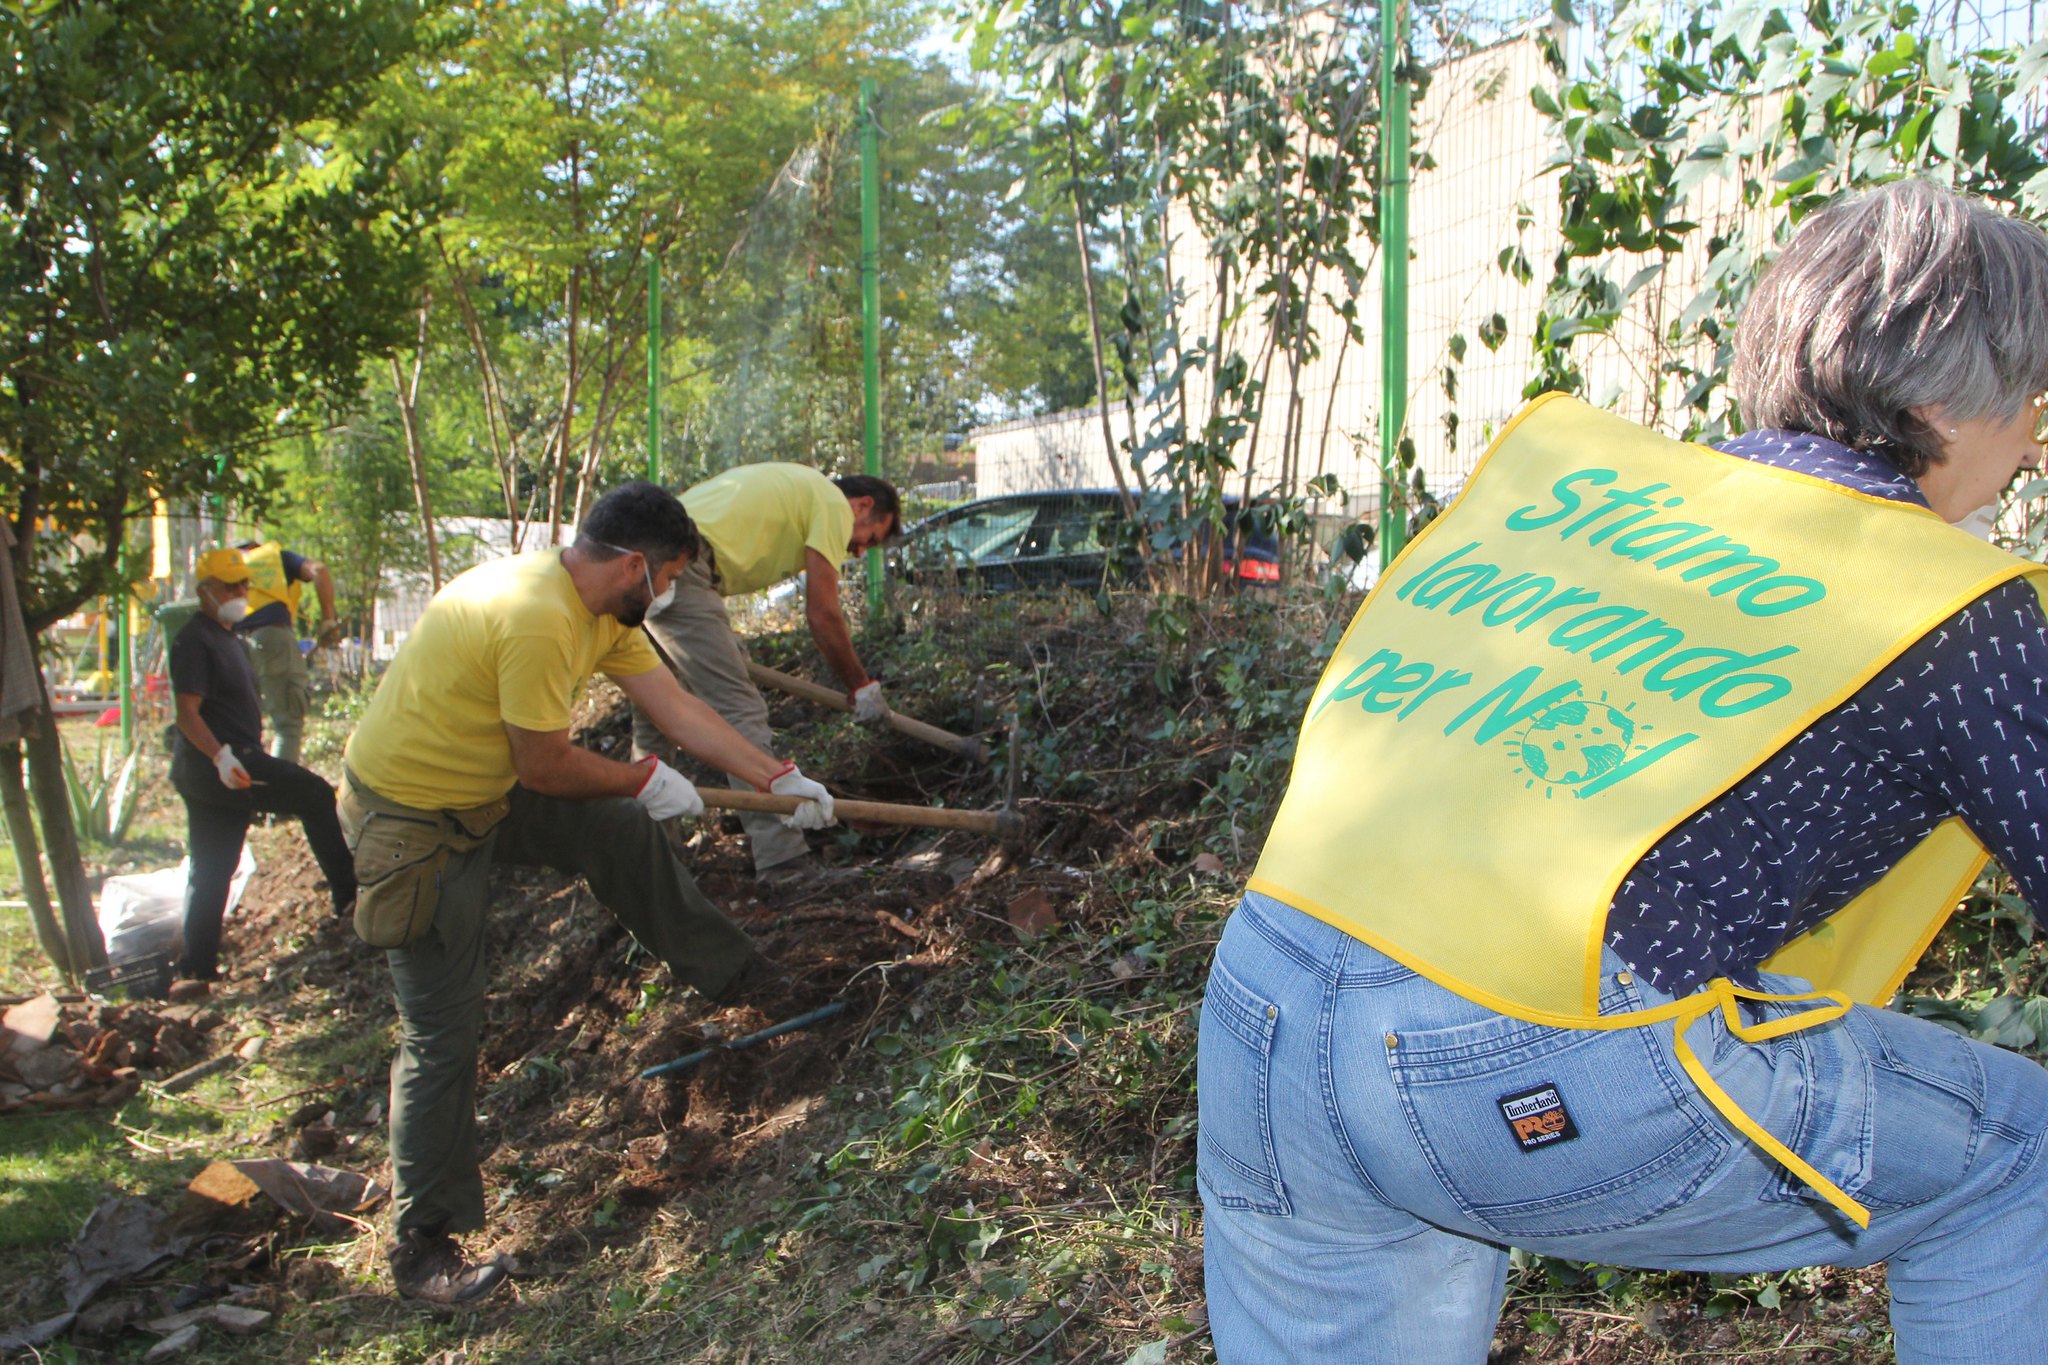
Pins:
<point x="634" y="612"/>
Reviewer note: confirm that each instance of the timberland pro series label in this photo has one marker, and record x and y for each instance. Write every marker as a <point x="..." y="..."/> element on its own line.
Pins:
<point x="1537" y="1118"/>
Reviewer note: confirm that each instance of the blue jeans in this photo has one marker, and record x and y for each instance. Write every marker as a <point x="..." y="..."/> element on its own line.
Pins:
<point x="1371" y="1143"/>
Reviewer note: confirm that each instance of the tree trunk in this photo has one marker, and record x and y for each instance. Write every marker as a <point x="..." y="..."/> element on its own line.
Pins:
<point x="558" y="487"/>
<point x="67" y="865"/>
<point x="600" y="434"/>
<point x="1087" y="253"/>
<point x="504" y="443"/>
<point x="28" y="856"/>
<point x="408" y="415"/>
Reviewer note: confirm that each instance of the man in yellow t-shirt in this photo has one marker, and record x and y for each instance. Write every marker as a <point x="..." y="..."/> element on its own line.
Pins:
<point x="464" y="760"/>
<point x="762" y="524"/>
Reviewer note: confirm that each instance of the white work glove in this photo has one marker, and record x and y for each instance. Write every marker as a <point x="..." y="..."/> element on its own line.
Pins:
<point x="868" y="706"/>
<point x="233" y="775"/>
<point x="667" y="793"/>
<point x="816" y="812"/>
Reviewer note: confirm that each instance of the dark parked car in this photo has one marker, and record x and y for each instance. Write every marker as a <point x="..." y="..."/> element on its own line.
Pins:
<point x="1022" y="541"/>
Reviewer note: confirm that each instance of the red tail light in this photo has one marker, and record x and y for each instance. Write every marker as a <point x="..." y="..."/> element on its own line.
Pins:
<point x="1258" y="571"/>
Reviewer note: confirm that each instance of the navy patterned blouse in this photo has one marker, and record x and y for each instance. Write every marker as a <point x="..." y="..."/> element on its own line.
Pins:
<point x="1957" y="725"/>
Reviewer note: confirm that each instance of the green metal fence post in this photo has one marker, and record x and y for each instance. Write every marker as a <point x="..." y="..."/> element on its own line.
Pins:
<point x="871" y="315"/>
<point x="125" y="634"/>
<point x="1393" y="530"/>
<point x="653" y="369"/>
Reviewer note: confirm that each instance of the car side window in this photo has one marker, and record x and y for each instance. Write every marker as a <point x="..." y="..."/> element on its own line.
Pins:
<point x="1080" y="528"/>
<point x="983" y="534"/>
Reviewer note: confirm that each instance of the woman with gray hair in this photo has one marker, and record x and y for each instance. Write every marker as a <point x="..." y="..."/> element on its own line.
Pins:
<point x="1574" y="929"/>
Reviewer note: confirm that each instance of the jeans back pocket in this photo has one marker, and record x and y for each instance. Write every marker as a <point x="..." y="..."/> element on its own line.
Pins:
<point x="1546" y="1132"/>
<point x="1236" y="1163"/>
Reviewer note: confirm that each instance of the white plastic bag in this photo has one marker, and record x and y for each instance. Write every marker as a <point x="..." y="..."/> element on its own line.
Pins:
<point x="143" y="914"/>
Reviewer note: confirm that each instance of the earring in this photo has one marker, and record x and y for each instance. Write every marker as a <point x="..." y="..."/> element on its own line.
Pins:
<point x="1951" y="431"/>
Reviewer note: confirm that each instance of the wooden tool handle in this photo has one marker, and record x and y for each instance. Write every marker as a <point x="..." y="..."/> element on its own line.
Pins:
<point x="1000" y="823"/>
<point x="902" y="724"/>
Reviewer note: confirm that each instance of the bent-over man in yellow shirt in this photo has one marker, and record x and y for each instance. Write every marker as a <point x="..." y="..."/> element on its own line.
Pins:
<point x="762" y="524"/>
<point x="464" y="760"/>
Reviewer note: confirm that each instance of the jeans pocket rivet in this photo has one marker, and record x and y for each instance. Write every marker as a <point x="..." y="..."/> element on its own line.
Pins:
<point x="1393" y="1040"/>
<point x="1272" y="1011"/>
<point x="1624" y="978"/>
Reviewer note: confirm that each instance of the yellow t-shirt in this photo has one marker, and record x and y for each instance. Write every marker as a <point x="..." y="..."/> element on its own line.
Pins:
<point x="760" y="518"/>
<point x="509" y="641"/>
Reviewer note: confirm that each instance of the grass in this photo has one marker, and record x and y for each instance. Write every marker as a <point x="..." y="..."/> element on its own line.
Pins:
<point x="55" y="1167"/>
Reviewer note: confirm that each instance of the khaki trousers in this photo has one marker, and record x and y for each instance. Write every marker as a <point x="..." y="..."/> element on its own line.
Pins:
<point x="695" y="632"/>
<point x="283" y="679"/>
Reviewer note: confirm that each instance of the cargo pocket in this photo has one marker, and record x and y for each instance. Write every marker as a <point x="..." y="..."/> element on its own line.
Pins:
<point x="1237" y="1166"/>
<point x="398" y="877"/>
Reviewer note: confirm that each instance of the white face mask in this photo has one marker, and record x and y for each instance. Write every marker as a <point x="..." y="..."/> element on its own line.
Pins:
<point x="655" y="601"/>
<point x="660" y="600"/>
<point x="231" y="610"/>
<point x="1981" y="522"/>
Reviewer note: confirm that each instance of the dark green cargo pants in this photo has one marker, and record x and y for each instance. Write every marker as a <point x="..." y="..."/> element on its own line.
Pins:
<point x="439" y="979"/>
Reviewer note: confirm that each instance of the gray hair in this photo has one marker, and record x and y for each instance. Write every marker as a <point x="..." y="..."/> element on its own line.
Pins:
<point x="1907" y="296"/>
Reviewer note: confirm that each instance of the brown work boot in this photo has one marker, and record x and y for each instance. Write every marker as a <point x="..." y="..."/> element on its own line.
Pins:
<point x="430" y="1267"/>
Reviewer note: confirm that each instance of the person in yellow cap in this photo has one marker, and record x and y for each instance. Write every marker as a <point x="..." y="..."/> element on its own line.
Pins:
<point x="218" y="766"/>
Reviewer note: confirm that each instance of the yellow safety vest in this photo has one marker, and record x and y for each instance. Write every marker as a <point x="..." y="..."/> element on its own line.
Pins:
<point x="267" y="582"/>
<point x="1606" y="632"/>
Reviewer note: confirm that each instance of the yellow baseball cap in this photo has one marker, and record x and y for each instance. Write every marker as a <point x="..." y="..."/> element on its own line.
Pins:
<point x="222" y="566"/>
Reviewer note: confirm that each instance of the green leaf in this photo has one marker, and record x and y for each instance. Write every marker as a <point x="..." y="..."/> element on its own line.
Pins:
<point x="1151" y="1353"/>
<point x="1817" y="154"/>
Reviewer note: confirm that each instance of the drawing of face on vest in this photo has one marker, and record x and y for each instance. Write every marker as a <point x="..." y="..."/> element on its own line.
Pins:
<point x="1573" y="742"/>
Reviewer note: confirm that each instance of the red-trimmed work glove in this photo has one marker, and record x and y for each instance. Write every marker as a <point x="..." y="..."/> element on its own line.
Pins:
<point x="868" y="706"/>
<point x="667" y="793"/>
<point x="816" y="810"/>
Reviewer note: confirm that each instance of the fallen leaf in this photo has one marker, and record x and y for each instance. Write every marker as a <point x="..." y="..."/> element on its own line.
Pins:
<point x="1209" y="863"/>
<point x="321" y="1193"/>
<point x="1031" y="914"/>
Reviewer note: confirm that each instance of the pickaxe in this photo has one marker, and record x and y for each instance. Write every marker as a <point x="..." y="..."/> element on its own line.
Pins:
<point x="1008" y="825"/>
<point x="963" y="745"/>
